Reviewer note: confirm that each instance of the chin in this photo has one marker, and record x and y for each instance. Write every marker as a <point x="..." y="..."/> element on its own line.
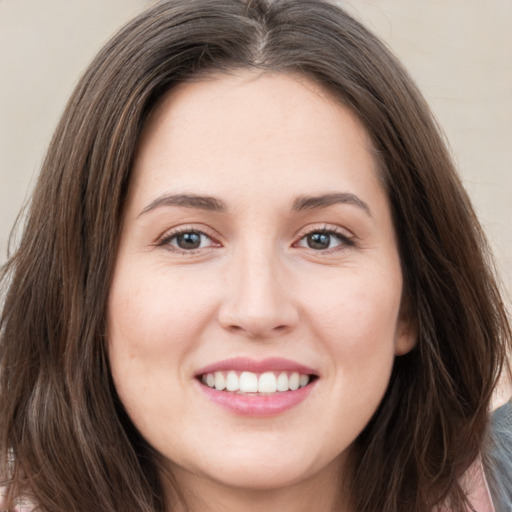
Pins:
<point x="264" y="478"/>
<point x="267" y="470"/>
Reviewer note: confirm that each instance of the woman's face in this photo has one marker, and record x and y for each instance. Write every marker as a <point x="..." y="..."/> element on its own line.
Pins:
<point x="258" y="253"/>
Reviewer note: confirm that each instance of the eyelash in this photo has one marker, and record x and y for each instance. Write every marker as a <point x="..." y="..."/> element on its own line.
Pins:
<point x="341" y="236"/>
<point x="168" y="238"/>
<point x="343" y="239"/>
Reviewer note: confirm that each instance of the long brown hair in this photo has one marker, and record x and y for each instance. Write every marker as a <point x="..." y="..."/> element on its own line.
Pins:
<point x="65" y="440"/>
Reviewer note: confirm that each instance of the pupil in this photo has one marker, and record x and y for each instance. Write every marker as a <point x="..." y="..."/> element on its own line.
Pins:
<point x="319" y="241"/>
<point x="189" y="240"/>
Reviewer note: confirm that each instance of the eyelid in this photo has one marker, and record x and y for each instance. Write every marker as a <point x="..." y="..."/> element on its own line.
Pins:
<point x="327" y="228"/>
<point x="164" y="239"/>
<point x="345" y="236"/>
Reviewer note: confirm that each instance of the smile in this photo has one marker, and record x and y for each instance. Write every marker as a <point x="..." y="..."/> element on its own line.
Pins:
<point x="250" y="382"/>
<point x="248" y="387"/>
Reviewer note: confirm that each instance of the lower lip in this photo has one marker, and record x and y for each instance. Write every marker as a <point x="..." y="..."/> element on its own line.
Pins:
<point x="257" y="405"/>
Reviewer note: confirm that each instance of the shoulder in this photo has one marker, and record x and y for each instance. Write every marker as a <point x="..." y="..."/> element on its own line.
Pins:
<point x="499" y="457"/>
<point x="488" y="481"/>
<point x="476" y="485"/>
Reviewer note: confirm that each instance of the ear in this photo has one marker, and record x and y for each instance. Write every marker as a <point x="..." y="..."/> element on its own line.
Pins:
<point x="406" y="335"/>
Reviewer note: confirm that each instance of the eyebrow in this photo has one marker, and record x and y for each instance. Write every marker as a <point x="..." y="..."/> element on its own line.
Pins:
<point x="212" y="204"/>
<point x="324" y="200"/>
<point x="186" y="201"/>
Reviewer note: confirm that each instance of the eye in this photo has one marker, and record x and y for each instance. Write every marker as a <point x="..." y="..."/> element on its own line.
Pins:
<point x="189" y="240"/>
<point x="324" y="239"/>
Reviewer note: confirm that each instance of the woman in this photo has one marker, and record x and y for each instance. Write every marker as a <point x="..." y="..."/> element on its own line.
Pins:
<point x="250" y="279"/>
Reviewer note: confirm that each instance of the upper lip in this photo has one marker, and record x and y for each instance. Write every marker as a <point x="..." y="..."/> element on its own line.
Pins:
<point x="242" y="364"/>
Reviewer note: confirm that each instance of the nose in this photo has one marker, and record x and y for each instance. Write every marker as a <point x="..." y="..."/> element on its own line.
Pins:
<point x="257" y="303"/>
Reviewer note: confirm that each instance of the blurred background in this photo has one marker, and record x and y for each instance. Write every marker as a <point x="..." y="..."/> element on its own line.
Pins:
<point x="459" y="52"/>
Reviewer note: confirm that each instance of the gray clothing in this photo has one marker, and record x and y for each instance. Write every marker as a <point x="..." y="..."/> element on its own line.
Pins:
<point x="499" y="459"/>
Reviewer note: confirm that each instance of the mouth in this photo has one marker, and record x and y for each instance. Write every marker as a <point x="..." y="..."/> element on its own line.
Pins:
<point x="257" y="388"/>
<point x="252" y="383"/>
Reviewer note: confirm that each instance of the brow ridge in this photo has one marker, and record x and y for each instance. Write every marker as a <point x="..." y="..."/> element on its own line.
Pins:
<point x="186" y="201"/>
<point x="303" y="203"/>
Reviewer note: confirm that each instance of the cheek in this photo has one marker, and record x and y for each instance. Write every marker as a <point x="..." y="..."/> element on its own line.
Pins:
<point x="147" y="339"/>
<point x="357" y="312"/>
<point x="153" y="326"/>
<point x="153" y="314"/>
<point x="356" y="320"/>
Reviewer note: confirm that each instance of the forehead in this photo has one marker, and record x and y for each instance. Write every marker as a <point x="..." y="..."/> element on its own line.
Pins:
<point x="265" y="99"/>
<point x="249" y="129"/>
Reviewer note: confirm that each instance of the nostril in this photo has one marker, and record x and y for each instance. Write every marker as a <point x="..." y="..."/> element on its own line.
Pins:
<point x="256" y="309"/>
<point x="258" y="331"/>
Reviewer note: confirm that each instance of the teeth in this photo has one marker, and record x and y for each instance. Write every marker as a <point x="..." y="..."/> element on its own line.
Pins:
<point x="249" y="382"/>
<point x="282" y="382"/>
<point x="210" y="380"/>
<point x="267" y="383"/>
<point x="294" y="381"/>
<point x="220" y="381"/>
<point x="231" y="382"/>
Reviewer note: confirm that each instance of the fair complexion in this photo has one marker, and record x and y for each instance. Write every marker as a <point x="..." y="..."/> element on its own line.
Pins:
<point x="256" y="228"/>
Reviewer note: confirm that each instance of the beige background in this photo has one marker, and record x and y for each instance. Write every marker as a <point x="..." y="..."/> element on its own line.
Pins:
<point x="459" y="51"/>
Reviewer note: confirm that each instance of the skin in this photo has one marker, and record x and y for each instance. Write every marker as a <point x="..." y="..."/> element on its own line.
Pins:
<point x="255" y="288"/>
